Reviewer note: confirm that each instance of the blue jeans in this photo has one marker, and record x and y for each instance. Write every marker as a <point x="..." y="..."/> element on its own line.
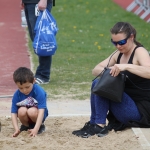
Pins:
<point x="43" y="70"/>
<point x="124" y="111"/>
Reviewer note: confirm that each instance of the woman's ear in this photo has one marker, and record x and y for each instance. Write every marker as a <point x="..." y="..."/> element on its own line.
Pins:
<point x="132" y="36"/>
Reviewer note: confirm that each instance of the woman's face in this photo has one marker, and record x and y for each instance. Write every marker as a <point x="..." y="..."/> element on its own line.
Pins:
<point x="121" y="41"/>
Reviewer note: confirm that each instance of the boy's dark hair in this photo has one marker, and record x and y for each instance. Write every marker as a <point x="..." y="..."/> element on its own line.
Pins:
<point x="23" y="75"/>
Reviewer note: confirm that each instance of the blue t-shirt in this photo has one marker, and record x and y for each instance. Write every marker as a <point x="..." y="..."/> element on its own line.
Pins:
<point x="37" y="93"/>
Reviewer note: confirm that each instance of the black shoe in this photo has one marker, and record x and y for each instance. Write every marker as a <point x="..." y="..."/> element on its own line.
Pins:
<point x="42" y="129"/>
<point x="104" y="131"/>
<point x="23" y="128"/>
<point x="110" y="127"/>
<point x="31" y="126"/>
<point x="82" y="130"/>
<point x="95" y="129"/>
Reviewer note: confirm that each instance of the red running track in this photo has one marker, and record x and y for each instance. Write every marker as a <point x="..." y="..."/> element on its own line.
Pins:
<point x="123" y="3"/>
<point x="13" y="44"/>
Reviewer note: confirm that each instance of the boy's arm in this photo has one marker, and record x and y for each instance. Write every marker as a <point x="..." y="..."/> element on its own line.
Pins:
<point x="35" y="130"/>
<point x="15" y="124"/>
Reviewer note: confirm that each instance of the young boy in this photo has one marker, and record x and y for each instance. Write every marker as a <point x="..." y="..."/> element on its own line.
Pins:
<point x="28" y="104"/>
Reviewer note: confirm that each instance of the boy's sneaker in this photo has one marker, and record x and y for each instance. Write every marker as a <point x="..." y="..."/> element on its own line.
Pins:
<point x="95" y="129"/>
<point x="82" y="130"/>
<point x="42" y="129"/>
<point x="40" y="81"/>
<point x="23" y="128"/>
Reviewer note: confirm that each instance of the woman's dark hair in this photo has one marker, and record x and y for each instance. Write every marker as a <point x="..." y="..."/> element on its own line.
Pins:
<point x="23" y="75"/>
<point x="126" y="28"/>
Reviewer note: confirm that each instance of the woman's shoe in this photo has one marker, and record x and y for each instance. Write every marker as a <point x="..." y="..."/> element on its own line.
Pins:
<point x="82" y="130"/>
<point x="95" y="129"/>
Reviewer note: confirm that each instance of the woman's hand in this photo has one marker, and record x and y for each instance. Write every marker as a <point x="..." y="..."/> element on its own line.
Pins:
<point x="117" y="68"/>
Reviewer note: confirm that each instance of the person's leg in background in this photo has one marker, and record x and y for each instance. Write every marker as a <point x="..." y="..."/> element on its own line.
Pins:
<point x="42" y="74"/>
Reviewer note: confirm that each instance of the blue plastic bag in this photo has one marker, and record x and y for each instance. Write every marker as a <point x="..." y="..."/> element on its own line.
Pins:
<point x="44" y="43"/>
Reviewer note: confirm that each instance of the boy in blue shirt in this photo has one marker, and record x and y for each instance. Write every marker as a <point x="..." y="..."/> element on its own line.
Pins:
<point x="28" y="104"/>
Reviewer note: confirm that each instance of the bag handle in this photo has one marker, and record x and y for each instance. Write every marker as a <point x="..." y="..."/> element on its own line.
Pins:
<point x="136" y="85"/>
<point x="111" y="57"/>
<point x="106" y="66"/>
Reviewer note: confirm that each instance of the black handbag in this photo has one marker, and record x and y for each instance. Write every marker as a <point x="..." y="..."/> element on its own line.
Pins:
<point x="108" y="86"/>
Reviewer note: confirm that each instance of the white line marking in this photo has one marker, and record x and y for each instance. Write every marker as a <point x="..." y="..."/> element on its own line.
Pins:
<point x="142" y="139"/>
<point x="68" y="115"/>
<point x="6" y="96"/>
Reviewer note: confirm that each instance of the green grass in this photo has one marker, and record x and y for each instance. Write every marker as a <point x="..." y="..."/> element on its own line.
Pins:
<point x="83" y="41"/>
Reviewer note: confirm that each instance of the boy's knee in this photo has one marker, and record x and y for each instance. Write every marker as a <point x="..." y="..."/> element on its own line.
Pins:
<point x="32" y="112"/>
<point x="22" y="111"/>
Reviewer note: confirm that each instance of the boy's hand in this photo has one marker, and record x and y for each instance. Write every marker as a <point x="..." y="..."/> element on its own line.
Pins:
<point x="33" y="132"/>
<point x="16" y="133"/>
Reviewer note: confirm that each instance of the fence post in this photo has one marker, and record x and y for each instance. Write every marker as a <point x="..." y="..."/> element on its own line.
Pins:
<point x="132" y="6"/>
<point x="147" y="12"/>
<point x="143" y="5"/>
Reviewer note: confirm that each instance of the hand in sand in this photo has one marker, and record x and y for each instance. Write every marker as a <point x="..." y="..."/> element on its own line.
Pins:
<point x="33" y="132"/>
<point x="16" y="133"/>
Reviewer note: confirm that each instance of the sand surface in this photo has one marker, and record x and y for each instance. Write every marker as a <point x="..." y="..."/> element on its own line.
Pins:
<point x="58" y="136"/>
